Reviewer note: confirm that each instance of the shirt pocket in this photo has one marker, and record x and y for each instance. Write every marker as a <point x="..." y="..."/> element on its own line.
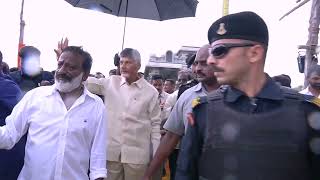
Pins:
<point x="79" y="128"/>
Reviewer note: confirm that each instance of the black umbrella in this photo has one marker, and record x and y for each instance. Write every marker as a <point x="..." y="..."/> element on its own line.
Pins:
<point x="143" y="9"/>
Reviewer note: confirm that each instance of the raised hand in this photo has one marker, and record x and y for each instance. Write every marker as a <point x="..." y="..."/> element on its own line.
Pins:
<point x="61" y="45"/>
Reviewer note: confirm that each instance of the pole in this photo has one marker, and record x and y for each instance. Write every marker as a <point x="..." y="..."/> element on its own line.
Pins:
<point x="312" y="42"/>
<point x="21" y="35"/>
<point x="225" y="10"/>
<point x="125" y="24"/>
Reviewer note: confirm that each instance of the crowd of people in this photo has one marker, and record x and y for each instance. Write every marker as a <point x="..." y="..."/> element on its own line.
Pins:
<point x="223" y="118"/>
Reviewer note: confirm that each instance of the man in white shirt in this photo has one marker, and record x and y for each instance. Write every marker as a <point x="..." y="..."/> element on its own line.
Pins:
<point x="157" y="82"/>
<point x="133" y="118"/>
<point x="65" y="123"/>
<point x="313" y="78"/>
<point x="169" y="86"/>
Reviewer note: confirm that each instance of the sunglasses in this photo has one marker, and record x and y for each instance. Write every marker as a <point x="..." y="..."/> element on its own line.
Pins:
<point x="220" y="50"/>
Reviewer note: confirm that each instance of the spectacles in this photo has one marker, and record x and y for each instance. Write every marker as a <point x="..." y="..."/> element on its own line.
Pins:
<point x="220" y="50"/>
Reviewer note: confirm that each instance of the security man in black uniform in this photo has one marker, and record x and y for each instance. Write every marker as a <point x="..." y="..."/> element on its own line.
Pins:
<point x="252" y="129"/>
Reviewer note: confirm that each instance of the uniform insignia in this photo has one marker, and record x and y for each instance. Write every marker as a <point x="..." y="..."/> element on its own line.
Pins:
<point x="312" y="99"/>
<point x="195" y="102"/>
<point x="316" y="101"/>
<point x="222" y="30"/>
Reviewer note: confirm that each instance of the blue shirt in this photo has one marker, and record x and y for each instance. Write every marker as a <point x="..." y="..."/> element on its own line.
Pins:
<point x="11" y="160"/>
<point x="10" y="94"/>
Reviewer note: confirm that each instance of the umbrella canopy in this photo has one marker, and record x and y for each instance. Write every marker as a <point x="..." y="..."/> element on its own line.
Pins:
<point x="143" y="9"/>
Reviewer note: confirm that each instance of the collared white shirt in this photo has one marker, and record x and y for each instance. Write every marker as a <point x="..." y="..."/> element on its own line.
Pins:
<point x="162" y="100"/>
<point x="306" y="91"/>
<point x="61" y="144"/>
<point x="133" y="118"/>
<point x="170" y="102"/>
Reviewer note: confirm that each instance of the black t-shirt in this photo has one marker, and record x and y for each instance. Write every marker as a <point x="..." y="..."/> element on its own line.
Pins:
<point x="27" y="83"/>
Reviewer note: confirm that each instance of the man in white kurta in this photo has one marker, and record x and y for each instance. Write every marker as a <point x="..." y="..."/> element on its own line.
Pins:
<point x="65" y="125"/>
<point x="133" y="118"/>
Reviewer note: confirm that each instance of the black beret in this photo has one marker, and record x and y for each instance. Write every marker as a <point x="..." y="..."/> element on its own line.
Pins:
<point x="244" y="25"/>
<point x="28" y="51"/>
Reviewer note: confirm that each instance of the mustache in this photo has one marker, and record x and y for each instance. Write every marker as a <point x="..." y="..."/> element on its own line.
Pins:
<point x="216" y="69"/>
<point x="199" y="73"/>
<point x="63" y="76"/>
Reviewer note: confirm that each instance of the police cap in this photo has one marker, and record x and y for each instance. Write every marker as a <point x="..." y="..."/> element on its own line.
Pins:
<point x="244" y="25"/>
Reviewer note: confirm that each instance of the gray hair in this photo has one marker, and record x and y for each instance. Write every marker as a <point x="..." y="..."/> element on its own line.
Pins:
<point x="131" y="54"/>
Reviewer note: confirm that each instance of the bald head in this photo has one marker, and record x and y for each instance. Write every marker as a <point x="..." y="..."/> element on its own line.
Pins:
<point x="203" y="52"/>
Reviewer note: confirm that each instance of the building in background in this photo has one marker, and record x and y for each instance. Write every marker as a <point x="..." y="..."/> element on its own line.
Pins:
<point x="169" y="63"/>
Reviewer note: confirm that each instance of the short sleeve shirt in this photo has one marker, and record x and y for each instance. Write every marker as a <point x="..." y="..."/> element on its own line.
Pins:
<point x="177" y="120"/>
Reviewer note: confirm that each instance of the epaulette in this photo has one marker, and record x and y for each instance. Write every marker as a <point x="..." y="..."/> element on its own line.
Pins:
<point x="312" y="99"/>
<point x="291" y="93"/>
<point x="195" y="103"/>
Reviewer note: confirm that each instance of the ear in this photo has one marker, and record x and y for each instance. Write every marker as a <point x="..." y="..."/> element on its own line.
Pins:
<point x="85" y="76"/>
<point x="138" y="66"/>
<point x="256" y="53"/>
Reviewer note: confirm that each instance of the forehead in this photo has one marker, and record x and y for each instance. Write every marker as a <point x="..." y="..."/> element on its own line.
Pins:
<point x="202" y="56"/>
<point x="126" y="59"/>
<point x="315" y="74"/>
<point x="71" y="58"/>
<point x="168" y="82"/>
<point x="157" y="81"/>
<point x="203" y="53"/>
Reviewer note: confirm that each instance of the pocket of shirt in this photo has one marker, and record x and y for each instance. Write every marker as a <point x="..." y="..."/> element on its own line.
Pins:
<point x="79" y="127"/>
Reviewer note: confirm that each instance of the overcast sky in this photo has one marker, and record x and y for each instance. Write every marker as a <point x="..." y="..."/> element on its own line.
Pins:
<point x="47" y="21"/>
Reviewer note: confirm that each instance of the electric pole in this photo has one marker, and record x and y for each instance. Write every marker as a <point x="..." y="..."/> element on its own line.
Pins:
<point x="22" y="24"/>
<point x="313" y="30"/>
<point x="225" y="10"/>
<point x="312" y="42"/>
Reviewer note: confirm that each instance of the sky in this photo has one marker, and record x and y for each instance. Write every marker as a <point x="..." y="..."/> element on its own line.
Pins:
<point x="47" y="21"/>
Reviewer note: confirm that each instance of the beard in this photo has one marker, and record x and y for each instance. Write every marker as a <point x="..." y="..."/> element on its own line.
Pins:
<point x="66" y="86"/>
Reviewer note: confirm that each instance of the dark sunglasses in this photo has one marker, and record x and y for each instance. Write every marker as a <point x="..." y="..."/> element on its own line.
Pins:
<point x="220" y="50"/>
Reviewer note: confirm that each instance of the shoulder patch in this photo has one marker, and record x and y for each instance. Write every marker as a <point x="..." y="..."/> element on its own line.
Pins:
<point x="312" y="99"/>
<point x="197" y="101"/>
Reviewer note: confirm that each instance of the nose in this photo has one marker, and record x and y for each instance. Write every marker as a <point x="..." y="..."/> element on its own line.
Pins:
<point x="62" y="69"/>
<point x="211" y="60"/>
<point x="122" y="66"/>
<point x="198" y="67"/>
